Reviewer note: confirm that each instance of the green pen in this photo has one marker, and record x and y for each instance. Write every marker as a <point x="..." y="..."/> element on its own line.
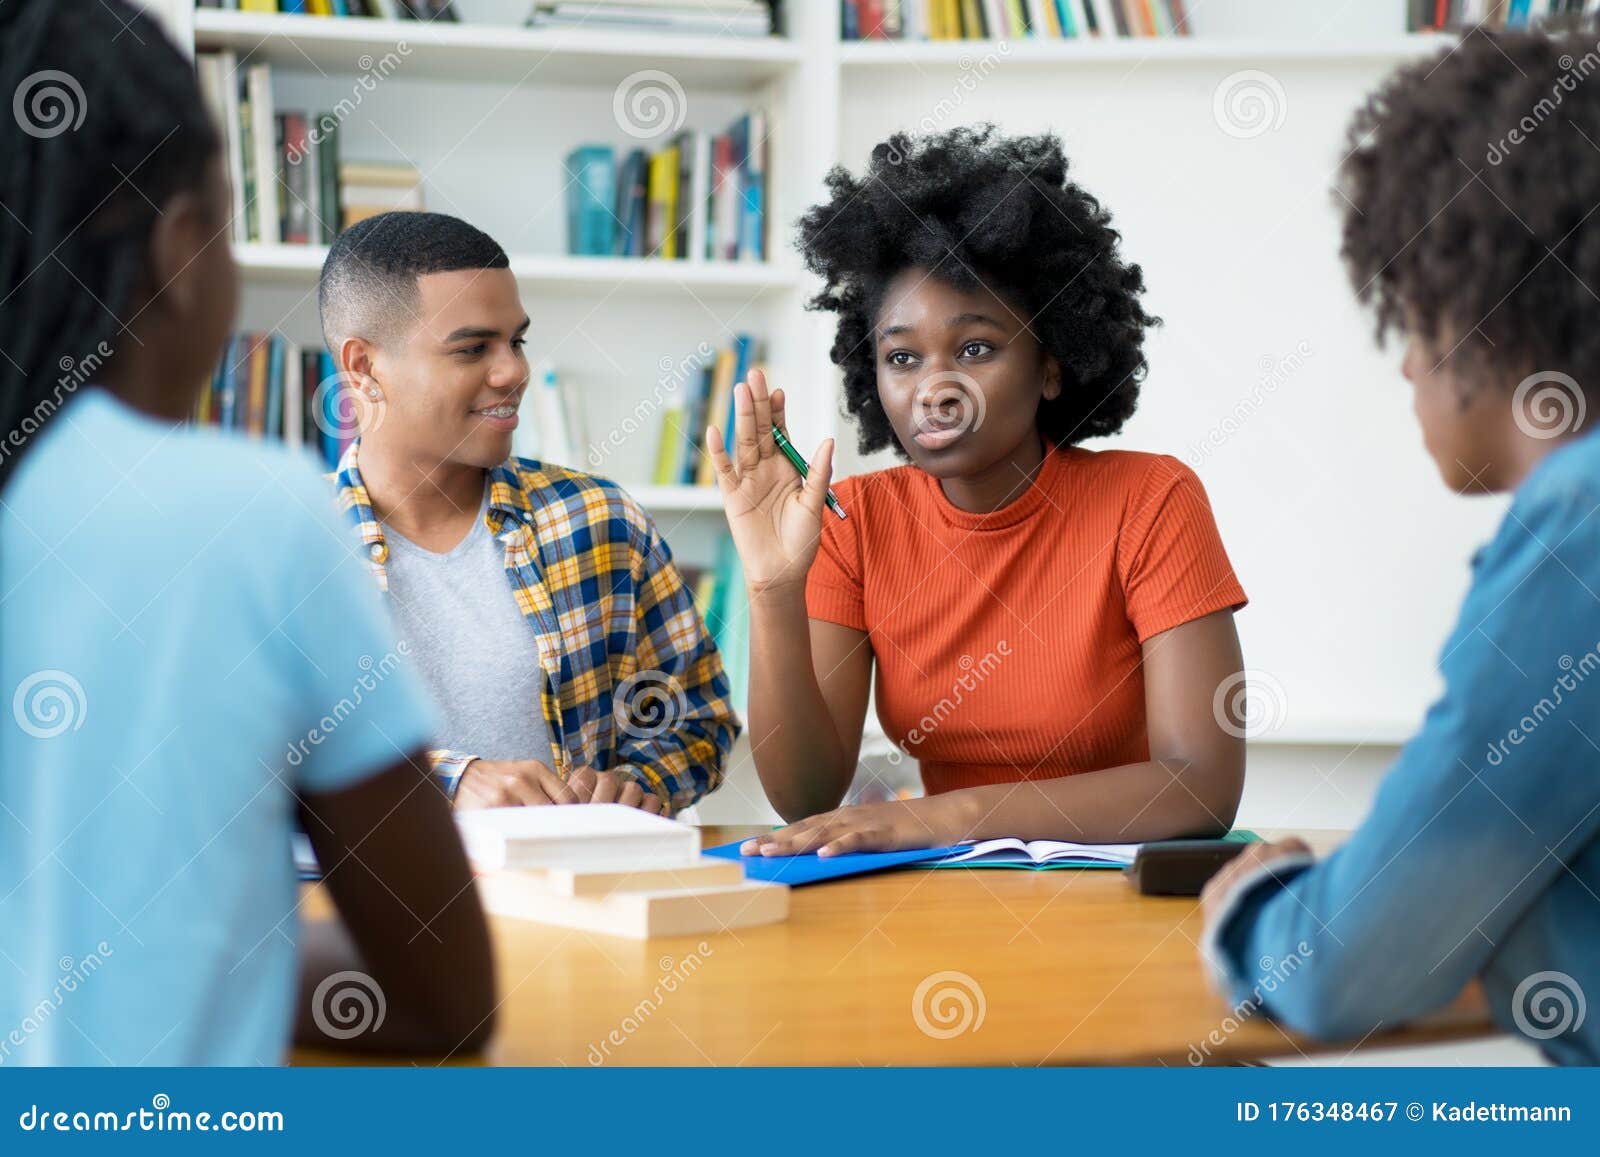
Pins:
<point x="799" y="464"/>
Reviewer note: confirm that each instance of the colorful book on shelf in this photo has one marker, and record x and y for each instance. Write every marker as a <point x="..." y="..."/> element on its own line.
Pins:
<point x="717" y="409"/>
<point x="551" y="426"/>
<point x="259" y="388"/>
<point x="370" y="188"/>
<point x="591" y="179"/>
<point x="631" y="205"/>
<point x="702" y="17"/>
<point x="283" y="165"/>
<point x="1013" y="19"/>
<point x="705" y="396"/>
<point x="700" y="196"/>
<point x="663" y="209"/>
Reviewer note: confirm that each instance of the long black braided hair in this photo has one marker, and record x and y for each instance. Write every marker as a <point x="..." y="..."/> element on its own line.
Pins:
<point x="101" y="122"/>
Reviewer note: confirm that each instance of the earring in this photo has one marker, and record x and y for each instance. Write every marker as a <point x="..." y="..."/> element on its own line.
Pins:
<point x="372" y="392"/>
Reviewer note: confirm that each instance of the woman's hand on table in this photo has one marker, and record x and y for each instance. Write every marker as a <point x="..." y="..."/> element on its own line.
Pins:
<point x="898" y="825"/>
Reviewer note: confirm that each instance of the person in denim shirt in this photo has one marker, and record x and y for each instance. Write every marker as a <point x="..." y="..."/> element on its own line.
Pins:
<point x="1481" y="856"/>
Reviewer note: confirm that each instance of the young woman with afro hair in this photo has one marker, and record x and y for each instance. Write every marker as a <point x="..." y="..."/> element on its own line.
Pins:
<point x="1052" y="627"/>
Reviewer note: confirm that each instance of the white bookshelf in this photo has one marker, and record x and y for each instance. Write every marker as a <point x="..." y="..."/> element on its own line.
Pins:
<point x="1125" y="50"/>
<point x="646" y="276"/>
<point x="498" y="53"/>
<point x="488" y="112"/>
<point x="812" y="84"/>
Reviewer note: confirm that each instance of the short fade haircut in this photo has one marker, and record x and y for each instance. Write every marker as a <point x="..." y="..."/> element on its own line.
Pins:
<point x="370" y="277"/>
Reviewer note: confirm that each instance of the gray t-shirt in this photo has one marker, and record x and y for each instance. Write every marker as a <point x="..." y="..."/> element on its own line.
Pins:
<point x="477" y="654"/>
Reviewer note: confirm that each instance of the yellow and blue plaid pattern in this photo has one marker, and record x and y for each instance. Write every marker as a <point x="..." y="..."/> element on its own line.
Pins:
<point x="632" y="682"/>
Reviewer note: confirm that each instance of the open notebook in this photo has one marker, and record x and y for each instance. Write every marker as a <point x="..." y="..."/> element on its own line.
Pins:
<point x="1015" y="853"/>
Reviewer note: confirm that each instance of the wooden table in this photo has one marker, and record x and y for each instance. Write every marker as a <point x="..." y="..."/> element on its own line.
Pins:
<point x="1063" y="967"/>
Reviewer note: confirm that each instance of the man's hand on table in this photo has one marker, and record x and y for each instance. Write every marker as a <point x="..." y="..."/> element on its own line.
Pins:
<point x="531" y="783"/>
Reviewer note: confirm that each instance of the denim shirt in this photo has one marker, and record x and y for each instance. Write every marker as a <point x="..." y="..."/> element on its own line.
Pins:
<point x="1481" y="856"/>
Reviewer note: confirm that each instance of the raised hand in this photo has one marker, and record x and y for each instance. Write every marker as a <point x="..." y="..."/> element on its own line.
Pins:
<point x="775" y="516"/>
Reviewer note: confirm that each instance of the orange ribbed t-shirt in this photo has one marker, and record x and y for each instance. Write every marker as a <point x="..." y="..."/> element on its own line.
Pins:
<point x="1008" y="644"/>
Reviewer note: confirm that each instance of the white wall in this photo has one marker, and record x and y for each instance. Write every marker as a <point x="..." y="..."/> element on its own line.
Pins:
<point x="178" y="17"/>
<point x="1264" y="376"/>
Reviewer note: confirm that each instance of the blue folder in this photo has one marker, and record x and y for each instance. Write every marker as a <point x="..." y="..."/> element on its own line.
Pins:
<point x="810" y="869"/>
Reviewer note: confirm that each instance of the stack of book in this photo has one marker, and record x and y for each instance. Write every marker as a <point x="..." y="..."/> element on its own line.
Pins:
<point x="1010" y="19"/>
<point x="268" y="387"/>
<point x="705" y="17"/>
<point x="610" y="869"/>
<point x="288" y="183"/>
<point x="1438" y="15"/>
<point x="702" y="197"/>
<point x="369" y="188"/>
<point x="442" y="10"/>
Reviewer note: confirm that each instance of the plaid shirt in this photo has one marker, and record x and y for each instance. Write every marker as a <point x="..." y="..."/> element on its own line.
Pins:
<point x="632" y="682"/>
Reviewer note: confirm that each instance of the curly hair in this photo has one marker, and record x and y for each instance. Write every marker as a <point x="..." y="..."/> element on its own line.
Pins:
<point x="1467" y="193"/>
<point x="974" y="207"/>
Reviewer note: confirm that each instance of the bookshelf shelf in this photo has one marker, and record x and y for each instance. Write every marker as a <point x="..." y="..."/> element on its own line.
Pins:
<point x="967" y="53"/>
<point x="492" y="53"/>
<point x="678" y="499"/>
<point x="266" y="264"/>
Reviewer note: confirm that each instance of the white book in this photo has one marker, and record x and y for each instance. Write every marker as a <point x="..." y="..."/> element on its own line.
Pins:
<point x="264" y="133"/>
<point x="700" y="197"/>
<point x="214" y="74"/>
<point x="550" y="416"/>
<point x="1038" y="21"/>
<point x="294" y="394"/>
<point x="997" y="18"/>
<point x="229" y="67"/>
<point x="575" y="836"/>
<point x="1010" y="850"/>
<point x="595" y="7"/>
<point x="1105" y="16"/>
<point x="598" y="883"/>
<point x="638" y="915"/>
<point x="913" y="19"/>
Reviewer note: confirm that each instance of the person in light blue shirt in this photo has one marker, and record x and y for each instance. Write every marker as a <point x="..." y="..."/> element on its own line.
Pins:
<point x="1481" y="856"/>
<point x="190" y="656"/>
